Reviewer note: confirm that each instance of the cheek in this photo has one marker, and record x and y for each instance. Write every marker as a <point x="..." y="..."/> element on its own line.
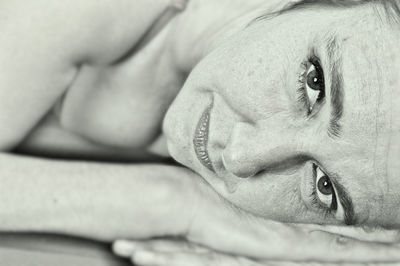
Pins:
<point x="281" y="196"/>
<point x="253" y="87"/>
<point x="271" y="195"/>
<point x="259" y="79"/>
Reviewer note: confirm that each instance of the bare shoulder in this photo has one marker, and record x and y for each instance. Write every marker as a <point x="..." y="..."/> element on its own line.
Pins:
<point x="44" y="42"/>
<point x="96" y="30"/>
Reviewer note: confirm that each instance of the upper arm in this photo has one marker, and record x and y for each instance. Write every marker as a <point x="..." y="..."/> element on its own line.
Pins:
<point x="43" y="43"/>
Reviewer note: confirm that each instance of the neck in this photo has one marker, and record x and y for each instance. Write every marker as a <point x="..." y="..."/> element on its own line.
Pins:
<point x="206" y="23"/>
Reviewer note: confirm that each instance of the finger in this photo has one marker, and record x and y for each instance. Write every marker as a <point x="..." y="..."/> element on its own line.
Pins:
<point x="151" y="258"/>
<point x="372" y="234"/>
<point x="223" y="227"/>
<point x="125" y="248"/>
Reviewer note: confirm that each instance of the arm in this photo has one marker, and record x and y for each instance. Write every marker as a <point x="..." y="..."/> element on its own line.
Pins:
<point x="44" y="43"/>
<point x="230" y="234"/>
<point x="98" y="201"/>
<point x="163" y="252"/>
<point x="107" y="202"/>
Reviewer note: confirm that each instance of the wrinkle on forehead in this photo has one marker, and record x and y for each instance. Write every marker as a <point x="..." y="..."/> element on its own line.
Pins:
<point x="392" y="155"/>
<point x="386" y="125"/>
<point x="368" y="72"/>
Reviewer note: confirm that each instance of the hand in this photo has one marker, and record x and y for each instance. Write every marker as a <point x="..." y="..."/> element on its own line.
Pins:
<point x="175" y="252"/>
<point x="196" y="212"/>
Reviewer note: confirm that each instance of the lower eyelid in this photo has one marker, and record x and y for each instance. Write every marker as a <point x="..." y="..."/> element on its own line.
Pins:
<point x="307" y="186"/>
<point x="339" y="212"/>
<point x="302" y="95"/>
<point x="313" y="201"/>
<point x="302" y="99"/>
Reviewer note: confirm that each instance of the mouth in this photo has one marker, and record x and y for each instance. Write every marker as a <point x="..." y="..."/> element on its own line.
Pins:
<point x="200" y="139"/>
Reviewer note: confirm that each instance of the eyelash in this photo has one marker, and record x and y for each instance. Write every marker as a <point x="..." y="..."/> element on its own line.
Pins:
<point x="302" y="79"/>
<point x="326" y="212"/>
<point x="315" y="203"/>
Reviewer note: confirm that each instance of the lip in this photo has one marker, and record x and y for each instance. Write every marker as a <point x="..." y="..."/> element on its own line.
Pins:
<point x="200" y="139"/>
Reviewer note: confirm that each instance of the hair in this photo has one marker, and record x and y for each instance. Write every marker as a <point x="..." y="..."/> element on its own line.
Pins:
<point x="391" y="7"/>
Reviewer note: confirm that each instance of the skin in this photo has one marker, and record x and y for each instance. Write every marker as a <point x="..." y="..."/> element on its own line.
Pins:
<point x="59" y="119"/>
<point x="243" y="135"/>
<point x="274" y="142"/>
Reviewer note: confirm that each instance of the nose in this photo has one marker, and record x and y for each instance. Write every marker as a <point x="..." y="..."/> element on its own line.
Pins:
<point x="262" y="146"/>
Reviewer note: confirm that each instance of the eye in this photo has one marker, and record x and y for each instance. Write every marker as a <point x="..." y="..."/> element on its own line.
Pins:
<point x="324" y="190"/>
<point x="312" y="83"/>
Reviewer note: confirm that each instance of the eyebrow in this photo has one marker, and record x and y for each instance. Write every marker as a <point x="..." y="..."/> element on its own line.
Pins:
<point x="345" y="200"/>
<point x="337" y="93"/>
<point x="334" y="128"/>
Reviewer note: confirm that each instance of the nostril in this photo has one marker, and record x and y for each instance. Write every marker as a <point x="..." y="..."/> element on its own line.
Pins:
<point x="237" y="165"/>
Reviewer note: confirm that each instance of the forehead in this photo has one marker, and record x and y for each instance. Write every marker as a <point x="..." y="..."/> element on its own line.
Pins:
<point x="370" y="84"/>
<point x="368" y="47"/>
<point x="370" y="68"/>
<point x="369" y="50"/>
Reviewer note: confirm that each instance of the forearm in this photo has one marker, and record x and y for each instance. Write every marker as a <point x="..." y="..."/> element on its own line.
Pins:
<point x="100" y="201"/>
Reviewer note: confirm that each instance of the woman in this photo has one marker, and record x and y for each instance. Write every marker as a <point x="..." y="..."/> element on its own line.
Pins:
<point x="289" y="117"/>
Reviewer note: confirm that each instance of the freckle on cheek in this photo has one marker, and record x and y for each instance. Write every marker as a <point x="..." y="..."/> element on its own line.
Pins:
<point x="250" y="73"/>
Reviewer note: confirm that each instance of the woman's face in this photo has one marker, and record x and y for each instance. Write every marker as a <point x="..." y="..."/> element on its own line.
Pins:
<point x="292" y="118"/>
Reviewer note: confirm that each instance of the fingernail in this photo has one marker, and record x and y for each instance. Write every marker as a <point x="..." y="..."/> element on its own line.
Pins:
<point x="143" y="257"/>
<point x="123" y="247"/>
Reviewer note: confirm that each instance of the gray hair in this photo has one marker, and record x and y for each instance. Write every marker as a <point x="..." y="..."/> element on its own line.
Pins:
<point x="391" y="7"/>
